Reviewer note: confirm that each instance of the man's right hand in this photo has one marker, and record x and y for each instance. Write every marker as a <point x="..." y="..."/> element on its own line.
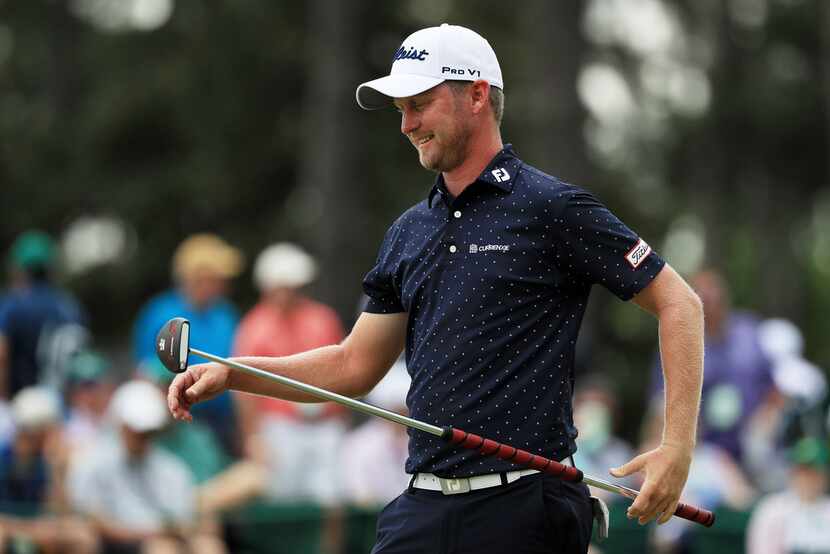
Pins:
<point x="199" y="383"/>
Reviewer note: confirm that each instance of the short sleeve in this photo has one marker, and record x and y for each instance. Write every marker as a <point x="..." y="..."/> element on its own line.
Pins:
<point x="597" y="248"/>
<point x="379" y="284"/>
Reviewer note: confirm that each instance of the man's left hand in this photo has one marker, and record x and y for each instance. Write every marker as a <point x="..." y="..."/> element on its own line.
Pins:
<point x="665" y="469"/>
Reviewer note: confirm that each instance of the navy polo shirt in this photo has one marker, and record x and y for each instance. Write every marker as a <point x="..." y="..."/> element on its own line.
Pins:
<point x="495" y="283"/>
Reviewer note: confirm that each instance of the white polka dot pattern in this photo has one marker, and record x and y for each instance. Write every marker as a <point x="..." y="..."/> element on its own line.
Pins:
<point x="495" y="283"/>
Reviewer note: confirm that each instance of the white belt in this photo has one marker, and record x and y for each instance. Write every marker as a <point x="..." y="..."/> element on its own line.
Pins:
<point x="431" y="482"/>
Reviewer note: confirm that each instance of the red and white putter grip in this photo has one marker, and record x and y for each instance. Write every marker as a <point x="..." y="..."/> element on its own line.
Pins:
<point x="509" y="453"/>
<point x="693" y="513"/>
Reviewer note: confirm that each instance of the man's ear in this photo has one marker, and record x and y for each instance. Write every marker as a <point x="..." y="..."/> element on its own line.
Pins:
<point x="479" y="95"/>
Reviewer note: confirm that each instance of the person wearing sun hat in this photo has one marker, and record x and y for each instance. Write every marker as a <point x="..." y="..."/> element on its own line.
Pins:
<point x="193" y="443"/>
<point x="798" y="518"/>
<point x="294" y="440"/>
<point x="203" y="266"/>
<point x="35" y="515"/>
<point x="285" y="320"/>
<point x="221" y="484"/>
<point x="138" y="496"/>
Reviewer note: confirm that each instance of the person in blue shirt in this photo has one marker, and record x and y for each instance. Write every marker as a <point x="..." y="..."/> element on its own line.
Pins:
<point x="41" y="325"/>
<point x="34" y="513"/>
<point x="485" y="283"/>
<point x="203" y="265"/>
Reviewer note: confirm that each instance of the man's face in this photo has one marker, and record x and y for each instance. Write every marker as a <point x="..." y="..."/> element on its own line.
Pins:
<point x="715" y="297"/>
<point x="203" y="287"/>
<point x="437" y="123"/>
<point x="136" y="443"/>
<point x="282" y="298"/>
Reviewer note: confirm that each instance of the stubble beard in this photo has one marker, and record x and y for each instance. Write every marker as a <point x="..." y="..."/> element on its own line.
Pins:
<point x="453" y="153"/>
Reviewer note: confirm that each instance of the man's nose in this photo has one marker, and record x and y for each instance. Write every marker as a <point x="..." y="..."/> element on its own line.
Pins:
<point x="409" y="121"/>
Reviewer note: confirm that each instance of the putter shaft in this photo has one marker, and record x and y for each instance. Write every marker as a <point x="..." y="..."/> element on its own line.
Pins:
<point x="323" y="393"/>
<point x="368" y="409"/>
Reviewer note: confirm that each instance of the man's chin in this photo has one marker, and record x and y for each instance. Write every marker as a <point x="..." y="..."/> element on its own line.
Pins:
<point x="430" y="164"/>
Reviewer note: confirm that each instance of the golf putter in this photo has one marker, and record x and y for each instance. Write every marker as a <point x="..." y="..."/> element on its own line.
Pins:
<point x="173" y="348"/>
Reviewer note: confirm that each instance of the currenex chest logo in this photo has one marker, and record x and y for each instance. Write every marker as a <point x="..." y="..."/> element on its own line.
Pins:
<point x="404" y="53"/>
<point x="475" y="248"/>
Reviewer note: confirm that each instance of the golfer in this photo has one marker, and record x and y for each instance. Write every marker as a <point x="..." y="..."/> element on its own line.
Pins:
<point x="485" y="282"/>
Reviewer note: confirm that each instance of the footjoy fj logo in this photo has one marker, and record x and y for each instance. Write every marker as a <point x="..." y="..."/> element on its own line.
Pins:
<point x="475" y="248"/>
<point x="500" y="175"/>
<point x="409" y="54"/>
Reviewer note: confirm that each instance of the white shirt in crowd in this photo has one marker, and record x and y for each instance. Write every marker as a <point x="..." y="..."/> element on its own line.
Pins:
<point x="144" y="495"/>
<point x="784" y="524"/>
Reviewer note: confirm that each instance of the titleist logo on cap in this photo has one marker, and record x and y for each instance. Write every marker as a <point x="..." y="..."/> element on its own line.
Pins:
<point x="403" y="53"/>
<point x="427" y="58"/>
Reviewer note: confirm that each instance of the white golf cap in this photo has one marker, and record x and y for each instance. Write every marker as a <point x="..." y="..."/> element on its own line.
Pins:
<point x="35" y="408"/>
<point x="139" y="405"/>
<point x="429" y="57"/>
<point x="283" y="265"/>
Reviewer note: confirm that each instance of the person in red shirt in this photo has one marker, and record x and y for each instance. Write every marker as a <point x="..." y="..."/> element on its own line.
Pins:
<point x="294" y="440"/>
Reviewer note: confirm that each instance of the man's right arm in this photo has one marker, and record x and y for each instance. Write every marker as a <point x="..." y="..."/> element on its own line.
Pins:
<point x="351" y="368"/>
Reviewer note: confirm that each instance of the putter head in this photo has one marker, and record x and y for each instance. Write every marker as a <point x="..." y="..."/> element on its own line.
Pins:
<point x="173" y="344"/>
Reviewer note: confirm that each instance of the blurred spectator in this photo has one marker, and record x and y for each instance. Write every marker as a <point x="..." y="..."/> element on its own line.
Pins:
<point x="373" y="455"/>
<point x="136" y="495"/>
<point x="794" y="409"/>
<point x="737" y="376"/>
<point x="6" y="423"/>
<point x="221" y="483"/>
<point x="797" y="519"/>
<point x="203" y="264"/>
<point x="87" y="393"/>
<point x="40" y="324"/>
<point x="32" y="470"/>
<point x="294" y="440"/>
<point x="598" y="449"/>
<point x="794" y="376"/>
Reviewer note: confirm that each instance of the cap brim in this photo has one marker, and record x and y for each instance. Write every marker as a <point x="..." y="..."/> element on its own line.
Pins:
<point x="376" y="94"/>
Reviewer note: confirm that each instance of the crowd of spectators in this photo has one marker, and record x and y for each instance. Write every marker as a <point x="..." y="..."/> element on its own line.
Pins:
<point x="90" y="460"/>
<point x="762" y="436"/>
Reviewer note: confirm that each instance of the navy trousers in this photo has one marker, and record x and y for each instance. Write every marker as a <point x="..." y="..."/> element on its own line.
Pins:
<point x="537" y="514"/>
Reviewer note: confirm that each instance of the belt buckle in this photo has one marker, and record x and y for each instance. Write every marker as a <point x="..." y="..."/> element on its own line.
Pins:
<point x="454" y="486"/>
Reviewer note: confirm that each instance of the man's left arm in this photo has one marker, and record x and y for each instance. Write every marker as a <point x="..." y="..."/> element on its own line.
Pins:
<point x="680" y="315"/>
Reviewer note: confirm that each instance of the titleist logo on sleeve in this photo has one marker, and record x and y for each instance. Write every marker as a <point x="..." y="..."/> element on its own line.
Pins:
<point x="638" y="253"/>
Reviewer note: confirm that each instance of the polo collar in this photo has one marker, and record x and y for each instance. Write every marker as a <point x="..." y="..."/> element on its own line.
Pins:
<point x="500" y="173"/>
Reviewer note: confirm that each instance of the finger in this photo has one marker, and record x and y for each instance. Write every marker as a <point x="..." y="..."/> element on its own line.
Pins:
<point x="668" y="512"/>
<point x="176" y="402"/>
<point x="197" y="389"/>
<point x="641" y="506"/>
<point x="173" y="397"/>
<point x="656" y="513"/>
<point x="646" y="502"/>
<point x="660" y="511"/>
<point x="633" y="466"/>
